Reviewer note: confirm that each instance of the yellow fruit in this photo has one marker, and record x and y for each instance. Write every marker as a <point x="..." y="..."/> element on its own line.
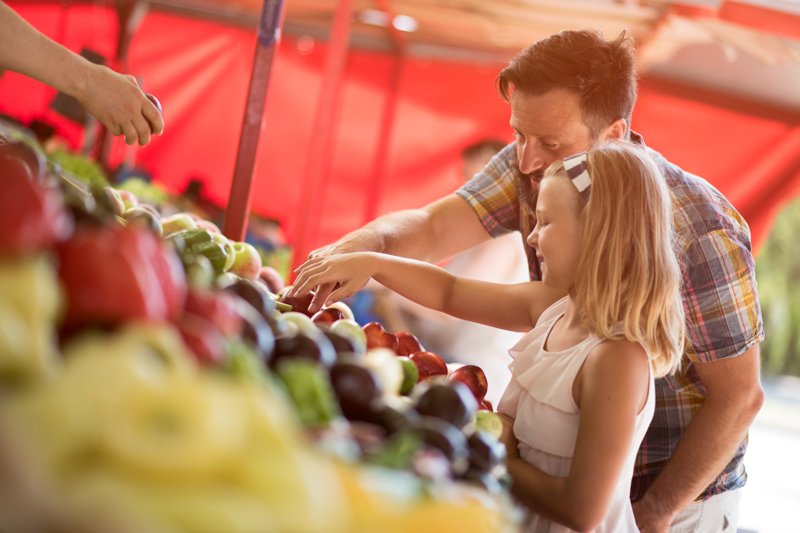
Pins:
<point x="184" y="428"/>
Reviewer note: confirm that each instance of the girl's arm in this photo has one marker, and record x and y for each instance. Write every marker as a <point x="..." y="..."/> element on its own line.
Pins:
<point x="511" y="307"/>
<point x="610" y="389"/>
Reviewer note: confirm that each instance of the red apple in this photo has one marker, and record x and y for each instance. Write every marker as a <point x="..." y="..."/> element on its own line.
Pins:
<point x="247" y="263"/>
<point x="429" y="364"/>
<point x="151" y="209"/>
<point x="485" y="405"/>
<point x="203" y="338"/>
<point x="407" y="343"/>
<point x="299" y="303"/>
<point x="377" y="337"/>
<point x="128" y="198"/>
<point x="272" y="278"/>
<point x="473" y="377"/>
<point x="139" y="217"/>
<point x="218" y="307"/>
<point x="208" y="226"/>
<point x="115" y="200"/>
<point x="328" y="316"/>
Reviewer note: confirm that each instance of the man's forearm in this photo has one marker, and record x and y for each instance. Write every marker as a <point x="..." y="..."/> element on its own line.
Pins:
<point x="706" y="447"/>
<point x="26" y="51"/>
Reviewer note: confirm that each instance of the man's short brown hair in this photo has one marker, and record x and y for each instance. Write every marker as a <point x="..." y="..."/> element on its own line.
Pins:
<point x="602" y="73"/>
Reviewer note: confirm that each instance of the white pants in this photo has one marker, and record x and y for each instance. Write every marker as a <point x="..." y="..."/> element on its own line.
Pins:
<point x="718" y="514"/>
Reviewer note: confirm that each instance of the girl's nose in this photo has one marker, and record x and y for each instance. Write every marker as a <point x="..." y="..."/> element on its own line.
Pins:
<point x="533" y="238"/>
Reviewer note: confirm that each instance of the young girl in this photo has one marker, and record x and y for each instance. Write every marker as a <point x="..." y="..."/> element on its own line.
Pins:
<point x="582" y="396"/>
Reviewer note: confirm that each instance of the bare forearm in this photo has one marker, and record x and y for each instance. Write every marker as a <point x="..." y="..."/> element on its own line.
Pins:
<point x="706" y="447"/>
<point x="405" y="234"/>
<point x="544" y="494"/>
<point x="420" y="282"/>
<point x="26" y="51"/>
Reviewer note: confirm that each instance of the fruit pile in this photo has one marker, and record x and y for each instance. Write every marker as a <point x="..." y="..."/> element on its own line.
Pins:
<point x="152" y="375"/>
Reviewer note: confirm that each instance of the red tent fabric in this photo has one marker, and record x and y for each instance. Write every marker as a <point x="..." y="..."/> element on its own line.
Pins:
<point x="200" y="72"/>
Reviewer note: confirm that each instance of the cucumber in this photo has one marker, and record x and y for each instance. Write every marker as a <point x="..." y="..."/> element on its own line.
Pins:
<point x="194" y="236"/>
<point x="213" y="251"/>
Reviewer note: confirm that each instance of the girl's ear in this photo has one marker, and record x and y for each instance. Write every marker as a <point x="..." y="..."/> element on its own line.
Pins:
<point x="615" y="132"/>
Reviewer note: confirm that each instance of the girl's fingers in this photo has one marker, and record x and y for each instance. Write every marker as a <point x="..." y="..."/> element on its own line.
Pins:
<point x="342" y="292"/>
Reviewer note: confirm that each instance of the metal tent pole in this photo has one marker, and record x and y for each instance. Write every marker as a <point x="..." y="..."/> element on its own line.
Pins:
<point x="238" y="208"/>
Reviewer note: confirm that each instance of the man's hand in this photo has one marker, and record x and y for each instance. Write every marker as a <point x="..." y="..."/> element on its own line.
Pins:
<point x="650" y="517"/>
<point x="119" y="104"/>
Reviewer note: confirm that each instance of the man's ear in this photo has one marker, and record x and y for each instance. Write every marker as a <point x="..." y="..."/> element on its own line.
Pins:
<point x="615" y="131"/>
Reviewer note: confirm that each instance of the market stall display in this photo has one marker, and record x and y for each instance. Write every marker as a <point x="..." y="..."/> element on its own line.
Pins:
<point x="151" y="377"/>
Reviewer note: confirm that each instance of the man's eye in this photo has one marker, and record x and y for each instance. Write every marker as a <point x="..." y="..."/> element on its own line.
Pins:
<point x="550" y="146"/>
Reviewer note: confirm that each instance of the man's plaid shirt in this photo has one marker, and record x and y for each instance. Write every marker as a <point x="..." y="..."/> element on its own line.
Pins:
<point x="719" y="294"/>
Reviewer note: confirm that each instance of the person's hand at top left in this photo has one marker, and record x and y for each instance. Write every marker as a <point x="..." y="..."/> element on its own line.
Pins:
<point x="118" y="103"/>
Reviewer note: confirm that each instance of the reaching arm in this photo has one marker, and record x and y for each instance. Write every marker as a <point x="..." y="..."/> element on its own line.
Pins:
<point x="610" y="389"/>
<point x="433" y="233"/>
<point x="733" y="399"/>
<point x="115" y="100"/>
<point x="512" y="307"/>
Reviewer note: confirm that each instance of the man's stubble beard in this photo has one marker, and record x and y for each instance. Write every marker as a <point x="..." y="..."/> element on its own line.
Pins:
<point x="527" y="186"/>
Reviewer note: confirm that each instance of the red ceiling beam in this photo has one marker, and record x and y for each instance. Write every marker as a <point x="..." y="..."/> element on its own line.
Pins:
<point x="761" y="18"/>
<point x="755" y="17"/>
<point x="716" y="98"/>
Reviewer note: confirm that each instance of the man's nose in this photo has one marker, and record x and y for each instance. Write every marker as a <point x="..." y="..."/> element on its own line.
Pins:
<point x="530" y="160"/>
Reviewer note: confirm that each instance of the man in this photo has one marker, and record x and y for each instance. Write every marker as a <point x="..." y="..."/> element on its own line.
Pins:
<point x="114" y="100"/>
<point x="569" y="92"/>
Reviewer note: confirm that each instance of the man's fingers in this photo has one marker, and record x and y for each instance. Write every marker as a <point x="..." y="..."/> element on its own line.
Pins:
<point x="152" y="112"/>
<point x="143" y="130"/>
<point x="130" y="133"/>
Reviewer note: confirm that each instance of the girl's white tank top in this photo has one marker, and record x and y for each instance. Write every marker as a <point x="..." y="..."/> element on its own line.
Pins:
<point x="539" y="398"/>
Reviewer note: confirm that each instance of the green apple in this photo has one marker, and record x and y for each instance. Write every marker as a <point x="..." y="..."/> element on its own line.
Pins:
<point x="247" y="263"/>
<point x="388" y="368"/>
<point x="350" y="329"/>
<point x="228" y="245"/>
<point x="176" y="223"/>
<point x="300" y="320"/>
<point x="488" y="421"/>
<point x="345" y="309"/>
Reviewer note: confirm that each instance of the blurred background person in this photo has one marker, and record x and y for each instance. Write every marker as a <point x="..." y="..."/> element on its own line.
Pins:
<point x="500" y="260"/>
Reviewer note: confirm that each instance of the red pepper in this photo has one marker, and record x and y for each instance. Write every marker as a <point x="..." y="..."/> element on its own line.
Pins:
<point x="114" y="274"/>
<point x="32" y="214"/>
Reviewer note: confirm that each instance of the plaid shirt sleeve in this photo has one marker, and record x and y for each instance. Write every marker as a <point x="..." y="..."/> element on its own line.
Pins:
<point x="493" y="195"/>
<point x="720" y="297"/>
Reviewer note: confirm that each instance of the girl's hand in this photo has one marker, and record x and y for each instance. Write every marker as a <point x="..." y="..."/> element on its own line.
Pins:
<point x="349" y="271"/>
<point x="507" y="438"/>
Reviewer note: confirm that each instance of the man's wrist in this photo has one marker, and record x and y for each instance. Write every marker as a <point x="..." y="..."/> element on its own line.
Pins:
<point x="659" y="507"/>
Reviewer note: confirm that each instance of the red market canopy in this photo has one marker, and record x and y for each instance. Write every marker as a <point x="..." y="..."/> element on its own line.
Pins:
<point x="197" y="58"/>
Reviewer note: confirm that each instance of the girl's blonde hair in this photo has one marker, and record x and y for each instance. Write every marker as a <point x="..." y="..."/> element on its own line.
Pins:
<point x="628" y="272"/>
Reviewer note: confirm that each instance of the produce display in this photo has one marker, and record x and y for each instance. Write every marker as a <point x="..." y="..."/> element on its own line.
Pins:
<point x="151" y="374"/>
